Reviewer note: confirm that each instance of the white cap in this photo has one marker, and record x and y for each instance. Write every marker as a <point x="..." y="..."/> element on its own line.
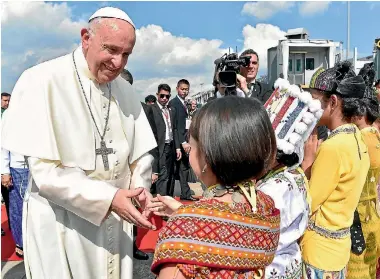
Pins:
<point x="111" y="12"/>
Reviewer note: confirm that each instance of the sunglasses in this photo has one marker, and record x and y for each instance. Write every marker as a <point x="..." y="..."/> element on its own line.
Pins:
<point x="162" y="96"/>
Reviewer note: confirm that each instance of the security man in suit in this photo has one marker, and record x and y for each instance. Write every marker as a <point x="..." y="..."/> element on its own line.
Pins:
<point x="167" y="141"/>
<point x="183" y="123"/>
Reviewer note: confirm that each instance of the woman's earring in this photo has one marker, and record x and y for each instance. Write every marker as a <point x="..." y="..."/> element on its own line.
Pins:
<point x="204" y="169"/>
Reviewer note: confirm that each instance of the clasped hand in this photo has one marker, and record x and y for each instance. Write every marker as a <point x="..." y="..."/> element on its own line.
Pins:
<point x="163" y="205"/>
<point x="123" y="206"/>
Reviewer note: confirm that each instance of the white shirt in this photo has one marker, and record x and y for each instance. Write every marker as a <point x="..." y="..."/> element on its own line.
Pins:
<point x="249" y="94"/>
<point x="10" y="159"/>
<point x="239" y="93"/>
<point x="168" y="124"/>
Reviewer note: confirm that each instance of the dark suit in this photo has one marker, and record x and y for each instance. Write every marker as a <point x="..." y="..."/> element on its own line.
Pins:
<point x="261" y="91"/>
<point x="154" y="152"/>
<point x="166" y="151"/>
<point x="182" y="166"/>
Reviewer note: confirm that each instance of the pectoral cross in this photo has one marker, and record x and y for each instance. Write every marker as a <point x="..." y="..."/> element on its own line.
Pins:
<point x="104" y="151"/>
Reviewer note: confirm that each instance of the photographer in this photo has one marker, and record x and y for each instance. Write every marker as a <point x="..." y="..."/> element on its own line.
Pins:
<point x="247" y="79"/>
<point x="220" y="89"/>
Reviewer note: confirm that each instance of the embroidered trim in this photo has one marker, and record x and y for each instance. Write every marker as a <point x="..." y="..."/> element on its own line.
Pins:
<point x="345" y="130"/>
<point x="342" y="233"/>
<point x="292" y="271"/>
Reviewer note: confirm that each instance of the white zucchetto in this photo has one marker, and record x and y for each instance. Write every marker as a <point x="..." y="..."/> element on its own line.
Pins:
<point x="111" y="12"/>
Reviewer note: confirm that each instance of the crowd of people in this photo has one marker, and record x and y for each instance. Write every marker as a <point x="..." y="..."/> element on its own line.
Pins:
<point x="290" y="176"/>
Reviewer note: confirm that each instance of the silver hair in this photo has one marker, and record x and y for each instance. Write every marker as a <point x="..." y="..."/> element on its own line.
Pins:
<point x="93" y="25"/>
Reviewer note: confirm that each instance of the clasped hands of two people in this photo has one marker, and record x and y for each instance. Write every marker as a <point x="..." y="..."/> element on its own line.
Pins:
<point x="123" y="206"/>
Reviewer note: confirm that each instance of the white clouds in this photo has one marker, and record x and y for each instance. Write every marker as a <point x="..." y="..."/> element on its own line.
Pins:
<point x="266" y="9"/>
<point x="260" y="38"/>
<point x="178" y="57"/>
<point x="48" y="17"/>
<point x="309" y="8"/>
<point x="159" y="53"/>
<point x="34" y="32"/>
<point x="173" y="51"/>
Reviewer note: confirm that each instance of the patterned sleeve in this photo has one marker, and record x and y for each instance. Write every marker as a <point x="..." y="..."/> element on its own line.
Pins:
<point x="289" y="194"/>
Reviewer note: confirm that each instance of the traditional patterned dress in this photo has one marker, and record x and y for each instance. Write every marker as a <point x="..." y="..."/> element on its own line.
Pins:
<point x="288" y="189"/>
<point x="364" y="266"/>
<point x="212" y="239"/>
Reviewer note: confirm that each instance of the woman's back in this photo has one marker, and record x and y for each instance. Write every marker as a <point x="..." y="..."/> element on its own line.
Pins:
<point x="211" y="237"/>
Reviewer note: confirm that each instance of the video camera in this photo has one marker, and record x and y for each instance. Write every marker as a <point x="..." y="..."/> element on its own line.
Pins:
<point x="228" y="66"/>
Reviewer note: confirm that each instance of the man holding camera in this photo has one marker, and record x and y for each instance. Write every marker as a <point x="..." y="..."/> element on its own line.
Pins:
<point x="243" y="83"/>
<point x="247" y="79"/>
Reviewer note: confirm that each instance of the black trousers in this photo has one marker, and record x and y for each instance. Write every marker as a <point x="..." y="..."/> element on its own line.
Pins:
<point x="183" y="167"/>
<point x="5" y="194"/>
<point x="164" y="184"/>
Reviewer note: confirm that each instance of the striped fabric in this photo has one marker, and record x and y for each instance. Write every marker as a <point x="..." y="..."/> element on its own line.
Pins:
<point x="208" y="237"/>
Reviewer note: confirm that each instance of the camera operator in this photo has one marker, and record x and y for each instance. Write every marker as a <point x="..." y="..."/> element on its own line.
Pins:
<point x="220" y="89"/>
<point x="247" y="79"/>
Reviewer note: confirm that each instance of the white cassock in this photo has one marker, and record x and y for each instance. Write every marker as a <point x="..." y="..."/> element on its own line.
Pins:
<point x="68" y="231"/>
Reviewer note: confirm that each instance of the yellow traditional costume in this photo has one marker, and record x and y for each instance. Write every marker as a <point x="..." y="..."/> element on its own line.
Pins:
<point x="364" y="266"/>
<point x="337" y="179"/>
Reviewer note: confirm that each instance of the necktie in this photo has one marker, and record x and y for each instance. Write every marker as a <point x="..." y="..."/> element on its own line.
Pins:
<point x="167" y="120"/>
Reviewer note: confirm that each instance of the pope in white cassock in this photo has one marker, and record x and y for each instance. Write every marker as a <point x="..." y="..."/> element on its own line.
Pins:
<point x="86" y="139"/>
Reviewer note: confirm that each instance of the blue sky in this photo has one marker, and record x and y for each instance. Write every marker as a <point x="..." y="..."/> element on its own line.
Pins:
<point x="178" y="39"/>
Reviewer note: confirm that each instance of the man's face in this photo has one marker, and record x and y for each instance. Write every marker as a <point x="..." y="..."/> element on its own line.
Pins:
<point x="183" y="90"/>
<point x="107" y="51"/>
<point x="250" y="72"/>
<point x="163" y="97"/>
<point x="5" y="102"/>
<point x="193" y="105"/>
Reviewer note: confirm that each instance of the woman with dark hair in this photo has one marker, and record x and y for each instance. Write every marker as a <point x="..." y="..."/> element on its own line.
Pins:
<point x="233" y="231"/>
<point x="294" y="115"/>
<point x="338" y="173"/>
<point x="363" y="265"/>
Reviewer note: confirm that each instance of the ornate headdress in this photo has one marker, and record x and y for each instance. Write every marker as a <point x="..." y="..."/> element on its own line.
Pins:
<point x="368" y="73"/>
<point x="340" y="79"/>
<point x="293" y="114"/>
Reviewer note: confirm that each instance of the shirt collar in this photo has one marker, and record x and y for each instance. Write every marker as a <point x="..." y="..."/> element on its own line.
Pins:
<point x="82" y="65"/>
<point x="161" y="106"/>
<point x="182" y="101"/>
